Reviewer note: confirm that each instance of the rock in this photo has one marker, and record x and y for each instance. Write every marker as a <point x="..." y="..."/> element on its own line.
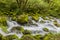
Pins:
<point x="42" y="21"/>
<point x="22" y="19"/>
<point x="56" y="23"/>
<point x="35" y="17"/>
<point x="46" y="29"/>
<point x="17" y="29"/>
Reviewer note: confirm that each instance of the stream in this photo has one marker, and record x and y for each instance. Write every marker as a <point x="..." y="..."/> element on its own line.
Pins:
<point x="36" y="29"/>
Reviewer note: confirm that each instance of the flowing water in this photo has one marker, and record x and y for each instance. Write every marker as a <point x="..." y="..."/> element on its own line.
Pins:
<point x="37" y="28"/>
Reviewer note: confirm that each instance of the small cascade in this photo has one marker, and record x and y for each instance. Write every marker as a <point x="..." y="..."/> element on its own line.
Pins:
<point x="12" y="24"/>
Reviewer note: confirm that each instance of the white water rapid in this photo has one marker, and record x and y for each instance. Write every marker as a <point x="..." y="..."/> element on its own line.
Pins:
<point x="36" y="29"/>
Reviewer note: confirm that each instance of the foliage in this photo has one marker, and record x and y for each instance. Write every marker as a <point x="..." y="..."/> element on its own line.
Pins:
<point x="20" y="10"/>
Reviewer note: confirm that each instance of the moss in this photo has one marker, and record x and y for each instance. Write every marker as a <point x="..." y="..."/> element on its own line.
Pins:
<point x="35" y="17"/>
<point x="22" y="19"/>
<point x="4" y="28"/>
<point x="3" y="20"/>
<point x="52" y="37"/>
<point x="35" y="24"/>
<point x="2" y="37"/>
<point x="27" y="32"/>
<point x="28" y="37"/>
<point x="45" y="18"/>
<point x="14" y="18"/>
<point x="46" y="29"/>
<point x="56" y="23"/>
<point x="38" y="37"/>
<point x="42" y="21"/>
<point x="18" y="29"/>
<point x="12" y="37"/>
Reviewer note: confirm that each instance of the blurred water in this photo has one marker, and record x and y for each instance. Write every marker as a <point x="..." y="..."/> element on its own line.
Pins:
<point x="35" y="29"/>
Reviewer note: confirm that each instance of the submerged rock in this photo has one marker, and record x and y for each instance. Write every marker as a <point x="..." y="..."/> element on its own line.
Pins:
<point x="56" y="23"/>
<point x="17" y="29"/>
<point x="27" y="32"/>
<point x="42" y="21"/>
<point x="46" y="29"/>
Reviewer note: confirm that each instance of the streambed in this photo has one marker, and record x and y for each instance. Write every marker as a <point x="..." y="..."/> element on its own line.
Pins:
<point x="37" y="28"/>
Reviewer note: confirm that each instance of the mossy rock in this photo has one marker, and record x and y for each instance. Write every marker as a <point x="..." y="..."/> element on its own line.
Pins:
<point x="52" y="37"/>
<point x="46" y="29"/>
<point x="35" y="24"/>
<point x="28" y="37"/>
<point x="38" y="37"/>
<point x="17" y="29"/>
<point x="12" y="37"/>
<point x="42" y="21"/>
<point x="27" y="32"/>
<point x="22" y="19"/>
<point x="35" y="17"/>
<point x="45" y="18"/>
<point x="56" y="23"/>
<point x="14" y="18"/>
